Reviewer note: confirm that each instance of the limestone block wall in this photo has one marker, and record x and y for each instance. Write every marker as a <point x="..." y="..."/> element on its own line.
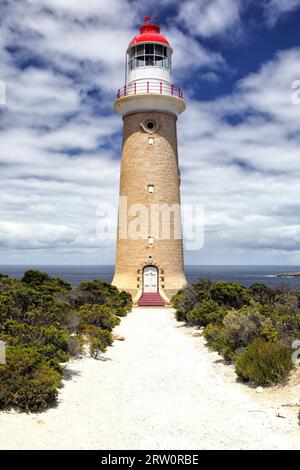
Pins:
<point x="145" y="164"/>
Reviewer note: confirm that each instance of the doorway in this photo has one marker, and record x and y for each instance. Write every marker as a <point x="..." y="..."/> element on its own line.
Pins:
<point x="150" y="279"/>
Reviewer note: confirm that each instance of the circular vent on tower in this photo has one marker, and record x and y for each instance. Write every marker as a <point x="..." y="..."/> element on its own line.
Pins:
<point x="150" y="126"/>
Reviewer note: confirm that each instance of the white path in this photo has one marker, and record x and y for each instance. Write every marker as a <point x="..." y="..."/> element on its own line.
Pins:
<point x="159" y="389"/>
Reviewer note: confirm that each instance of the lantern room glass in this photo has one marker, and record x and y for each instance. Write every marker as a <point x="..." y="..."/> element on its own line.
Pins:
<point x="149" y="55"/>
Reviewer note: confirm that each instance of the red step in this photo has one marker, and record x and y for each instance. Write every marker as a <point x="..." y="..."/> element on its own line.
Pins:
<point x="151" y="299"/>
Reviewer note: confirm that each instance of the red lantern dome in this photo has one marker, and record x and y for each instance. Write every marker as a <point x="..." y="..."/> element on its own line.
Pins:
<point x="149" y="33"/>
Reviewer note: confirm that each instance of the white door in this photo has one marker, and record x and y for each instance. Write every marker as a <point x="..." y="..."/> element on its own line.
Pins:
<point x="150" y="279"/>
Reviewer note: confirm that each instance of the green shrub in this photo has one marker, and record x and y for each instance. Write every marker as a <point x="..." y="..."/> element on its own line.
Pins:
<point x="99" y="292"/>
<point x="285" y="296"/>
<point x="243" y="326"/>
<point x="99" y="341"/>
<point x="206" y="312"/>
<point x="15" y="333"/>
<point x="183" y="302"/>
<point x="97" y="322"/>
<point x="35" y="278"/>
<point x="217" y="340"/>
<point x="27" y="381"/>
<point x="202" y="289"/>
<point x="50" y="352"/>
<point x="98" y="315"/>
<point x="15" y="301"/>
<point x="264" y="363"/>
<point x="56" y="313"/>
<point x="262" y="293"/>
<point x="269" y="333"/>
<point x="125" y="303"/>
<point x="285" y="318"/>
<point x="44" y="282"/>
<point x="266" y="310"/>
<point x="230" y="295"/>
<point x="43" y="323"/>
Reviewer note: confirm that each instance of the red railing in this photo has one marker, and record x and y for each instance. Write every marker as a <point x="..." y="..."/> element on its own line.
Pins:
<point x="150" y="87"/>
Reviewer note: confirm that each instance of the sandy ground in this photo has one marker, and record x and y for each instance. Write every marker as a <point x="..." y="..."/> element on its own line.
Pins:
<point x="159" y="389"/>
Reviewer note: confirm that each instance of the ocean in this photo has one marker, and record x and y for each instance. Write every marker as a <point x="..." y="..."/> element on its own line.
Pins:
<point x="245" y="275"/>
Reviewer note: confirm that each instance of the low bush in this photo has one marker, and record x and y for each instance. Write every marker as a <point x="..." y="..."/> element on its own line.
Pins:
<point x="96" y="323"/>
<point x="45" y="283"/>
<point x="202" y="289"/>
<point x="28" y="382"/>
<point x="99" y="341"/>
<point x="206" y="312"/>
<point x="100" y="316"/>
<point x="252" y="327"/>
<point x="125" y="303"/>
<point x="43" y="323"/>
<point x="217" y="340"/>
<point x="102" y="293"/>
<point x="230" y="295"/>
<point x="17" y="333"/>
<point x="262" y="294"/>
<point x="264" y="363"/>
<point x="269" y="333"/>
<point x="243" y="326"/>
<point x="184" y="301"/>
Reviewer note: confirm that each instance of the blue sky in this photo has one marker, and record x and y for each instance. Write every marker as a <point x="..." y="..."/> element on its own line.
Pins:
<point x="239" y="139"/>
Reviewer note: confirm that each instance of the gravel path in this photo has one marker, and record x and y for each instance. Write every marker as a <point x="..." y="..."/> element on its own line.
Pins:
<point x="159" y="389"/>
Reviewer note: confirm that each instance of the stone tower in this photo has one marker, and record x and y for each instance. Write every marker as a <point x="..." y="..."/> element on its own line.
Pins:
<point x="149" y="256"/>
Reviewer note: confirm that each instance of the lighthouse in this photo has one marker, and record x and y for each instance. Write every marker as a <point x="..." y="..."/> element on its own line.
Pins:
<point x="149" y="251"/>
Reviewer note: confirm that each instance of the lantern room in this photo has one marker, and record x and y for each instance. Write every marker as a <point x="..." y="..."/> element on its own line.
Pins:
<point x="148" y="56"/>
<point x="148" y="83"/>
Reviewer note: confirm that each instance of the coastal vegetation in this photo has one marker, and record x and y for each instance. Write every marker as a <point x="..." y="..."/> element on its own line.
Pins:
<point x="44" y="322"/>
<point x="253" y="328"/>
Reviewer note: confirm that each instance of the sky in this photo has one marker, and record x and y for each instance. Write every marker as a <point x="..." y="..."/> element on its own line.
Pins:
<point x="60" y="139"/>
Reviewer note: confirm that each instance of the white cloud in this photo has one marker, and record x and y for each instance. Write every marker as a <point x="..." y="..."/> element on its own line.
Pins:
<point x="110" y="11"/>
<point x="246" y="171"/>
<point x="210" y="17"/>
<point x="226" y="18"/>
<point x="275" y="9"/>
<point x="190" y="55"/>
